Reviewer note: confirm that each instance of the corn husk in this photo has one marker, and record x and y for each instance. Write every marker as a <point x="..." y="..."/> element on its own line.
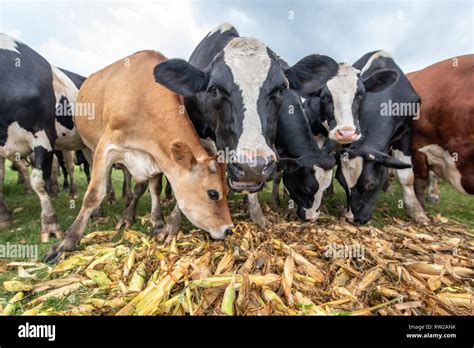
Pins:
<point x="397" y="269"/>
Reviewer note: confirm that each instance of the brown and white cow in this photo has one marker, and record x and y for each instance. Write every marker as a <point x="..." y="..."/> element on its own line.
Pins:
<point x="143" y="126"/>
<point x="443" y="136"/>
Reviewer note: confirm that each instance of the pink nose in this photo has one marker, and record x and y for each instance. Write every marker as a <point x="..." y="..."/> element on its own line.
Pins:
<point x="346" y="134"/>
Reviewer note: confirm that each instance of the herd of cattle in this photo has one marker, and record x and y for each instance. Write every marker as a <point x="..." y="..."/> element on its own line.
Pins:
<point x="234" y="116"/>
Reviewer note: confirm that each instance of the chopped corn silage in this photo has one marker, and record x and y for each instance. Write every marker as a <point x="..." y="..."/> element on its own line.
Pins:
<point x="293" y="268"/>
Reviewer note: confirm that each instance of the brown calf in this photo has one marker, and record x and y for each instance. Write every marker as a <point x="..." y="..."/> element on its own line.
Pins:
<point x="443" y="136"/>
<point x="143" y="125"/>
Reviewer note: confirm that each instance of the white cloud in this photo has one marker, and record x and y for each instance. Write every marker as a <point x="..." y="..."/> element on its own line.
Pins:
<point x="99" y="38"/>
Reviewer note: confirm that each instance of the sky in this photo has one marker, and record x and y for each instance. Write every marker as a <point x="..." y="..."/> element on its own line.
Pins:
<point x="85" y="36"/>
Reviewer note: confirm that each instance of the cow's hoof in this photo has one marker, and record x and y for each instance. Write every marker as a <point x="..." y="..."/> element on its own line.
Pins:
<point x="262" y="222"/>
<point x="97" y="213"/>
<point x="124" y="223"/>
<point x="50" y="229"/>
<point x="422" y="219"/>
<point x="59" y="249"/>
<point x="111" y="198"/>
<point x="433" y="199"/>
<point x="167" y="233"/>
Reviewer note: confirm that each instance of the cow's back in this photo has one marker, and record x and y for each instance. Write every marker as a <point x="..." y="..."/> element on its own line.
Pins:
<point x="26" y="89"/>
<point x="130" y="103"/>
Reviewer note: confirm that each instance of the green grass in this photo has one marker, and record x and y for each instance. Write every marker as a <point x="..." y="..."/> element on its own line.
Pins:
<point x="25" y="227"/>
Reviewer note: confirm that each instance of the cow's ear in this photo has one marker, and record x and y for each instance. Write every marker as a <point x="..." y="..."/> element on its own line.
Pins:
<point x="386" y="160"/>
<point x="308" y="75"/>
<point x="289" y="165"/>
<point x="380" y="80"/>
<point x="183" y="155"/>
<point x="181" y="77"/>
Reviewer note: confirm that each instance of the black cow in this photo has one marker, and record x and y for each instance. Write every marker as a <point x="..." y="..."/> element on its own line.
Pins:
<point x="36" y="101"/>
<point x="233" y="88"/>
<point x="307" y="169"/>
<point x="385" y="122"/>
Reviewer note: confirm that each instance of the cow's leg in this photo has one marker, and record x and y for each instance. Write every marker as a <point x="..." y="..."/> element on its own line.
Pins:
<point x="168" y="191"/>
<point x="127" y="186"/>
<point x="129" y="213"/>
<point x="406" y="178"/>
<point x="155" y="186"/>
<point x="275" y="200"/>
<point x="69" y="165"/>
<point x="110" y="188"/>
<point x="171" y="229"/>
<point x="433" y="189"/>
<point x="95" y="194"/>
<point x="88" y="163"/>
<point x="421" y="169"/>
<point x="40" y="180"/>
<point x="22" y="168"/>
<point x="255" y="210"/>
<point x="54" y="187"/>
<point x="4" y="214"/>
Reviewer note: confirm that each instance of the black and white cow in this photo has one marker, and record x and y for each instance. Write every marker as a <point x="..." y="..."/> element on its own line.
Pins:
<point x="333" y="109"/>
<point x="363" y="165"/>
<point x="307" y="169"/>
<point x="36" y="101"/>
<point x="233" y="88"/>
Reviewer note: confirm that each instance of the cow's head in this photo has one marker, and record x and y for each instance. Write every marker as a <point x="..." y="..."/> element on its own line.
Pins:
<point x="306" y="178"/>
<point x="342" y="95"/>
<point x="362" y="173"/>
<point x="200" y="190"/>
<point x="241" y="92"/>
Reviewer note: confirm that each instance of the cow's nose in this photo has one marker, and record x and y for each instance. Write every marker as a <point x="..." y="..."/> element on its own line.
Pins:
<point x="346" y="134"/>
<point x="361" y="220"/>
<point x="228" y="232"/>
<point x="258" y="169"/>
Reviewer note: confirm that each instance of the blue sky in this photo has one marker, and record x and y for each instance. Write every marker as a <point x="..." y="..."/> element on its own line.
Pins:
<point x="84" y="36"/>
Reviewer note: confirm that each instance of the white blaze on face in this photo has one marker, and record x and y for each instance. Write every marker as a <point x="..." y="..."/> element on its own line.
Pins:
<point x="323" y="178"/>
<point x="351" y="170"/>
<point x="343" y="88"/>
<point x="248" y="60"/>
<point x="21" y="141"/>
<point x="8" y="43"/>
<point x="443" y="164"/>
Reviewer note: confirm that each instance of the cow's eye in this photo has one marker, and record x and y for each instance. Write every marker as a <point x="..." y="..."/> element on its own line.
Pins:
<point x="324" y="99"/>
<point x="214" y="91"/>
<point x="213" y="194"/>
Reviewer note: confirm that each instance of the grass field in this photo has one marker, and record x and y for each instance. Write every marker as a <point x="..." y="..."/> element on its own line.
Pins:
<point x="25" y="226"/>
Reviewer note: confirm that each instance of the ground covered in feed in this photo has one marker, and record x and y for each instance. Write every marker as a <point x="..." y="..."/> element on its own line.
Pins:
<point x="292" y="268"/>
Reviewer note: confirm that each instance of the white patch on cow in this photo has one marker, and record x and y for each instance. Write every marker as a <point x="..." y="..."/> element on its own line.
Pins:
<point x="349" y="215"/>
<point x="343" y="88"/>
<point x="248" y="60"/>
<point x="140" y="164"/>
<point x="323" y="177"/>
<point x="68" y="139"/>
<point x="351" y="170"/>
<point x="320" y="140"/>
<point x="222" y="28"/>
<point x="406" y="178"/>
<point x="20" y="141"/>
<point x="372" y="58"/>
<point x="37" y="183"/>
<point x="8" y="43"/>
<point x="443" y="164"/>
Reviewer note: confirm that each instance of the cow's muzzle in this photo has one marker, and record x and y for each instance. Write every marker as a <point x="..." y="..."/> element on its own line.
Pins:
<point x="251" y="175"/>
